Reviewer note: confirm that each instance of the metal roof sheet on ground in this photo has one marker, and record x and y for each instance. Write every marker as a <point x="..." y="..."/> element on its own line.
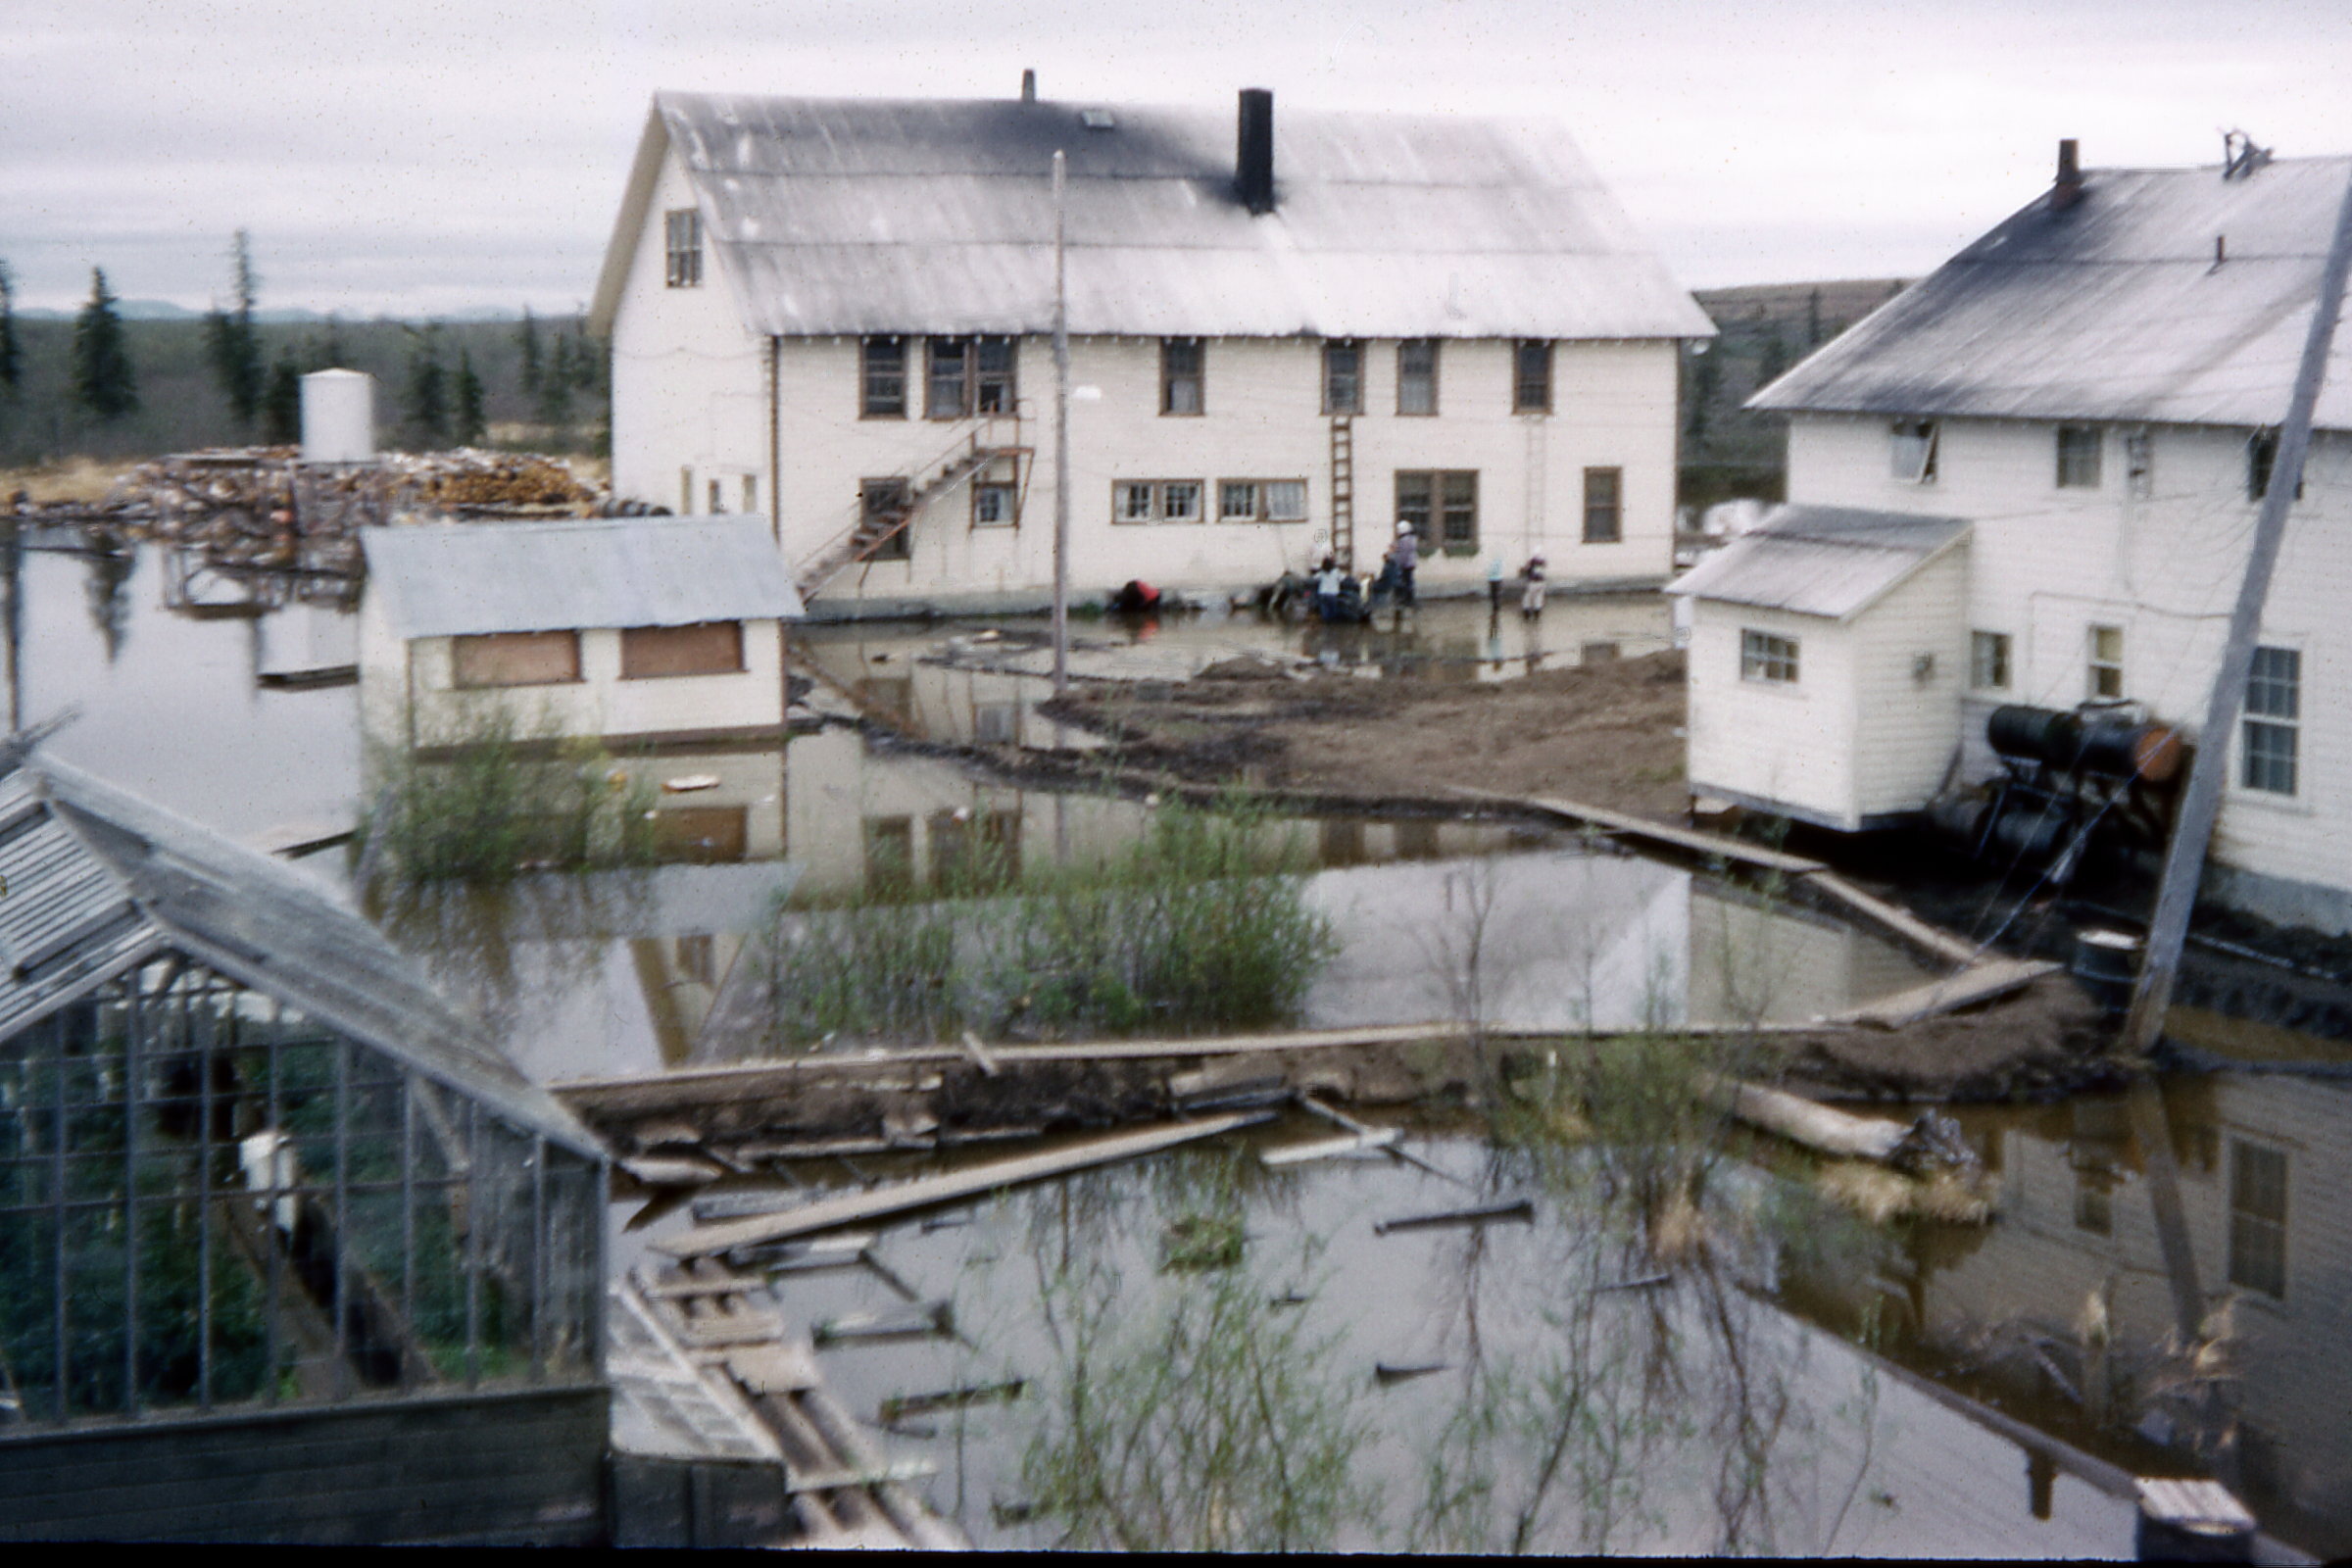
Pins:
<point x="100" y="881"/>
<point x="1833" y="561"/>
<point x="863" y="215"/>
<point x="469" y="580"/>
<point x="2113" y="309"/>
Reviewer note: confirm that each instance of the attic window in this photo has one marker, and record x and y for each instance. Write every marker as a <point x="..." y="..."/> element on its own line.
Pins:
<point x="682" y="231"/>
<point x="1911" y="450"/>
<point x="1097" y="120"/>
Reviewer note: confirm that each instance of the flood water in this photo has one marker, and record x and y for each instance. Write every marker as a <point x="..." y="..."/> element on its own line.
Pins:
<point x="2058" y="1312"/>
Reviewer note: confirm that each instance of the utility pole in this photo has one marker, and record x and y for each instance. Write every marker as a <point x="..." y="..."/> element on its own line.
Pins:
<point x="2193" y="831"/>
<point x="1062" y="436"/>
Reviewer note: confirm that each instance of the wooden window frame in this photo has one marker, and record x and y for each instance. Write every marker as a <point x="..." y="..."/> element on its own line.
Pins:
<point x="1432" y="519"/>
<point x="1122" y="489"/>
<point x="881" y="384"/>
<point x="1532" y="394"/>
<point x="900" y="545"/>
<point x="1343" y="375"/>
<point x="487" y="646"/>
<point x="638" y="650"/>
<point x="1770" y="658"/>
<point x="1000" y="476"/>
<point x="2081" y="451"/>
<point x="1408" y="376"/>
<point x="1604" y="519"/>
<point x="934" y="350"/>
<point x="1989" y="667"/>
<point x="1261" y="505"/>
<point x="1173" y="375"/>
<point x="2104" y="671"/>
<point x="682" y="248"/>
<point x="2271" y="732"/>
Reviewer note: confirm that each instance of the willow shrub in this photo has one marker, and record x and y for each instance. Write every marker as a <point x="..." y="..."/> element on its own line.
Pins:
<point x="1199" y="925"/>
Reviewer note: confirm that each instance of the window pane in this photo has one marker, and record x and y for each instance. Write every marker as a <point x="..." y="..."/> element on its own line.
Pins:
<point x="1989" y="661"/>
<point x="1286" y="500"/>
<point x="2273" y="686"/>
<point x="1765" y="656"/>
<point x="947" y="395"/>
<point x="1417" y="375"/>
<point x="885" y="378"/>
<point x="1180" y="375"/>
<point x="995" y="381"/>
<point x="1461" y="511"/>
<point x="1237" y="500"/>
<point x="1135" y="503"/>
<point x="683" y="248"/>
<point x="1531" y="382"/>
<point x="1180" y="501"/>
<point x="702" y="835"/>
<point x="992" y="505"/>
<point x="2078" y="457"/>
<point x="1416" y="495"/>
<point x="1343" y="378"/>
<point x="1604" y="523"/>
<point x="2269" y="757"/>
<point x="1912" y="451"/>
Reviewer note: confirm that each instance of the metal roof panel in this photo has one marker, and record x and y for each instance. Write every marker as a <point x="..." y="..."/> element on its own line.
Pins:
<point x="1831" y="562"/>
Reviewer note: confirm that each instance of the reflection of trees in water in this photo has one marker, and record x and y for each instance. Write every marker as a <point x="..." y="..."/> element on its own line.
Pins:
<point x="506" y="947"/>
<point x="111" y="560"/>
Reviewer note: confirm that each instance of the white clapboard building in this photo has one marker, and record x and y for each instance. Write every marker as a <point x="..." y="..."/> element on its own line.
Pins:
<point x="837" y="315"/>
<point x="2032" y="478"/>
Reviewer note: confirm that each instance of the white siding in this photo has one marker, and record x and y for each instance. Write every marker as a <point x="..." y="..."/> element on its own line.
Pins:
<point x="1791" y="745"/>
<point x="1908" y="723"/>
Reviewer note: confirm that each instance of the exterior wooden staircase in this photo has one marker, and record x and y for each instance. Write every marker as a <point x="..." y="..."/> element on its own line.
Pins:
<point x="875" y="528"/>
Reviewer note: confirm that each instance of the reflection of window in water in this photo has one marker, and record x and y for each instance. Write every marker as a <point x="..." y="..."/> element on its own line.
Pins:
<point x="1416" y="841"/>
<point x="889" y="853"/>
<point x="976" y="849"/>
<point x="2257" y="1218"/>
<point x="1596" y="652"/>
<point x="2095" y="1202"/>
<point x="702" y="834"/>
<point x="695" y="959"/>
<point x="997" y="723"/>
<point x="1343" y="841"/>
<point x="891" y="696"/>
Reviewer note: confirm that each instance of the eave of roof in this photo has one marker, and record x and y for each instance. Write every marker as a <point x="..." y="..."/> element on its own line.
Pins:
<point x="1833" y="562"/>
<point x="2112" y="310"/>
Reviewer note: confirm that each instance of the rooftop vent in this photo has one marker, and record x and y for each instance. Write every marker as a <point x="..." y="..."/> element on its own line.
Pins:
<point x="1097" y="120"/>
<point x="2068" y="188"/>
<point x="1254" y="153"/>
<point x="1028" y="86"/>
<point x="2239" y="156"/>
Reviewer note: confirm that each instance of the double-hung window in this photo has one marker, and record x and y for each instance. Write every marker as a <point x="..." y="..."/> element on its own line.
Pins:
<point x="682" y="248"/>
<point x="1442" y="508"/>
<point x="882" y="372"/>
<point x="2106" y="662"/>
<point x="1156" y="501"/>
<point x="1605" y="505"/>
<point x="1181" y="375"/>
<point x="1417" y="375"/>
<point x="1531" y="376"/>
<point x="1343" y="377"/>
<point x="969" y="376"/>
<point x="1261" y="500"/>
<point x="2274" y="719"/>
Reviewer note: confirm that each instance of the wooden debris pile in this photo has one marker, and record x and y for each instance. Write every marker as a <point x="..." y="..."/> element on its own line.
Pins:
<point x="469" y="480"/>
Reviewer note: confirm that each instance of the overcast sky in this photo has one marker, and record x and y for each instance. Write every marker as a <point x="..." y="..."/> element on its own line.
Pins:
<point x="437" y="155"/>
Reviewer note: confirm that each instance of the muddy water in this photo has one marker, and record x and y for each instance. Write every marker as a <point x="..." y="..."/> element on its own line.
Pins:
<point x="1703" y="1417"/>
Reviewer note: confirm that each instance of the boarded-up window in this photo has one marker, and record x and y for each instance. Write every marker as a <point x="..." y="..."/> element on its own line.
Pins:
<point x="712" y="648"/>
<point x="517" y="658"/>
<point x="704" y="835"/>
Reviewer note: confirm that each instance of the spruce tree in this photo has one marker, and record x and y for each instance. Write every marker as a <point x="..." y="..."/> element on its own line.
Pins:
<point x="282" y="405"/>
<point x="231" y="340"/>
<point x="428" y="400"/>
<point x="104" y="381"/>
<point x="472" y="421"/>
<point x="527" y="340"/>
<point x="11" y="358"/>
<point x="555" y="389"/>
<point x="1774" y="356"/>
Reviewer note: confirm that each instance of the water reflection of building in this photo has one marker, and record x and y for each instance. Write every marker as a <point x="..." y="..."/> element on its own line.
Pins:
<point x="2266" y="1188"/>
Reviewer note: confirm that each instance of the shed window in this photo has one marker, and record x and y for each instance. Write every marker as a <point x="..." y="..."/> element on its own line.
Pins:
<point x="2078" y="447"/>
<point x="682" y="248"/>
<point x="1531" y="376"/>
<point x="712" y="648"/>
<point x="882" y="373"/>
<point x="2274" y="719"/>
<point x="1344" y="377"/>
<point x="1911" y="450"/>
<point x="2106" y="662"/>
<point x="1605" y="505"/>
<point x="2262" y="456"/>
<point x="1989" y="661"/>
<point x="516" y="659"/>
<point x="2258" y="1218"/>
<point x="1417" y="375"/>
<point x="1767" y="656"/>
<point x="1181" y="375"/>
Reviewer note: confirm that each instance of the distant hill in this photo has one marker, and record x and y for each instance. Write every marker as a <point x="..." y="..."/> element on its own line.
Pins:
<point x="1762" y="329"/>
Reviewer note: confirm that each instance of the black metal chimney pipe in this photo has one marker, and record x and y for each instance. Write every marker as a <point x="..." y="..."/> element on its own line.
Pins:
<point x="2068" y="189"/>
<point x="1254" y="157"/>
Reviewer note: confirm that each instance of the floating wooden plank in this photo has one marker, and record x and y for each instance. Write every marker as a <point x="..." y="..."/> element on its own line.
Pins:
<point x="786" y="1366"/>
<point x="1819" y="1127"/>
<point x="672" y="1170"/>
<point x="905" y="1404"/>
<point x="1328" y="1148"/>
<point x="1902" y="922"/>
<point x="1397" y="1151"/>
<point x="683" y="1290"/>
<point x="1983" y="981"/>
<point x="1519" y="1213"/>
<point x="862" y="1208"/>
<point x="879" y="1474"/>
<point x="730" y="1329"/>
<point x="1712" y="844"/>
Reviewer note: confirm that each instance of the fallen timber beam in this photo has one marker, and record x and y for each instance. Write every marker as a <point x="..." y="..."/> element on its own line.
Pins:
<point x="1818" y="1127"/>
<point x="1713" y="844"/>
<point x="703" y="1240"/>
<point x="1983" y="981"/>
<point x="1902" y="922"/>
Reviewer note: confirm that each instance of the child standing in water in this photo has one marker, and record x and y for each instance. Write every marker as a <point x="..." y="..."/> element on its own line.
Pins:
<point x="1531" y="602"/>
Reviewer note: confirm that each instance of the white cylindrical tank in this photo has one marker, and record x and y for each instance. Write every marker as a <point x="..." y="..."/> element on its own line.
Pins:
<point x="338" y="416"/>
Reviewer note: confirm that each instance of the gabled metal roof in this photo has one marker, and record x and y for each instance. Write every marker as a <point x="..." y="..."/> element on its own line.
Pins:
<point x="839" y="215"/>
<point x="466" y="579"/>
<point x="2113" y="309"/>
<point x="1833" y="561"/>
<point x="98" y="882"/>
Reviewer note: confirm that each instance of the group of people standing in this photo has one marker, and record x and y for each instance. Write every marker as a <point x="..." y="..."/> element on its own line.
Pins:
<point x="1334" y="586"/>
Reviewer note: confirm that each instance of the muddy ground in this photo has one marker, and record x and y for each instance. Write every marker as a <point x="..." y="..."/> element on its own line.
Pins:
<point x="1607" y="734"/>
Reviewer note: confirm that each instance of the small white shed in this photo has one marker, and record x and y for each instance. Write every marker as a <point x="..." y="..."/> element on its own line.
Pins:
<point x="1828" y="656"/>
<point x="653" y="630"/>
